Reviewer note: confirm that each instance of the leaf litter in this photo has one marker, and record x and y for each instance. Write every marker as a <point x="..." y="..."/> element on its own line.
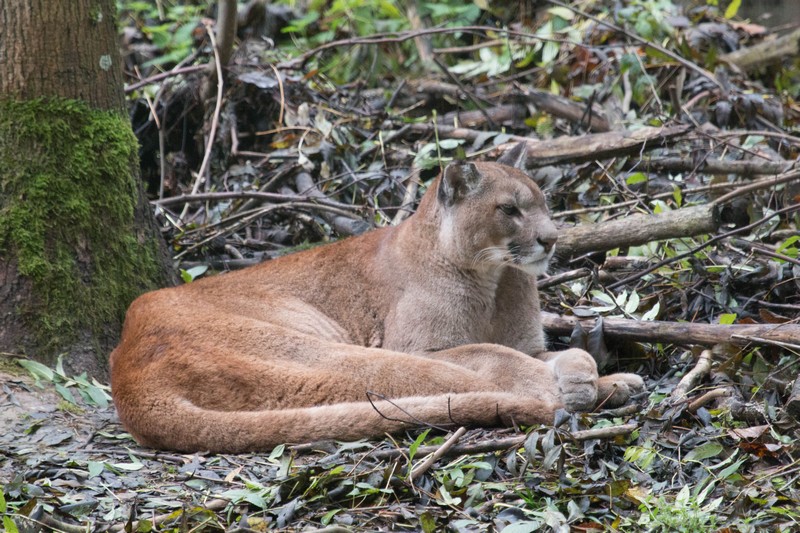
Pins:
<point x="318" y="142"/>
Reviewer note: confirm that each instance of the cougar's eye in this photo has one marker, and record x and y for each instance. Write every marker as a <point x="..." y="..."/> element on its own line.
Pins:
<point x="509" y="209"/>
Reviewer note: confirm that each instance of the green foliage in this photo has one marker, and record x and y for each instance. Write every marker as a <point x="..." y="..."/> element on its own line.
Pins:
<point x="684" y="513"/>
<point x="648" y="18"/>
<point x="171" y="31"/>
<point x="67" y="216"/>
<point x="341" y="19"/>
<point x="92" y="393"/>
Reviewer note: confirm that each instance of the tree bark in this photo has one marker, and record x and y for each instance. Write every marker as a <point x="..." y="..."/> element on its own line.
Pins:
<point x="764" y="53"/>
<point x="635" y="230"/>
<point x="77" y="239"/>
<point x="62" y="49"/>
<point x="594" y="146"/>
<point x="679" y="332"/>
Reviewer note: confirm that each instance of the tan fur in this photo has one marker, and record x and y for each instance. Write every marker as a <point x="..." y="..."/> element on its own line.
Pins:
<point x="435" y="320"/>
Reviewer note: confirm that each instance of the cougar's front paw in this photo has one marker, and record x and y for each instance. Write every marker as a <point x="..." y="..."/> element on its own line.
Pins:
<point x="578" y="391"/>
<point x="576" y="375"/>
<point x="616" y="390"/>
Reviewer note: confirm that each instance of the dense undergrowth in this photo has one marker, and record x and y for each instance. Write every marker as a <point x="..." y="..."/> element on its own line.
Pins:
<point x="333" y="118"/>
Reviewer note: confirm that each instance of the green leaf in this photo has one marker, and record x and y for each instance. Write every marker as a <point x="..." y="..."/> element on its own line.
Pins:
<point x="60" y="366"/>
<point x="677" y="195"/>
<point x="562" y="12"/>
<point x="327" y="517"/>
<point x="633" y="303"/>
<point x="193" y="273"/>
<point x="129" y="467"/>
<point x="95" y="468"/>
<point x="3" y="505"/>
<point x="732" y="9"/>
<point x="38" y="370"/>
<point x="412" y="450"/>
<point x="786" y="247"/>
<point x="9" y="525"/>
<point x="636" y="177"/>
<point x="95" y="395"/>
<point x="427" y="522"/>
<point x="449" y="144"/>
<point x="277" y="452"/>
<point x="727" y="318"/>
<point x="731" y="469"/>
<point x="704" y="451"/>
<point x="65" y="393"/>
<point x="652" y="313"/>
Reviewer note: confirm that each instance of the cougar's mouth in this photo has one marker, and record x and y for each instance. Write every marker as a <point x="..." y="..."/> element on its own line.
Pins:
<point x="531" y="259"/>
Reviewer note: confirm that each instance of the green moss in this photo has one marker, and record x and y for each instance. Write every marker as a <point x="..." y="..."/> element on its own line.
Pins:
<point x="67" y="202"/>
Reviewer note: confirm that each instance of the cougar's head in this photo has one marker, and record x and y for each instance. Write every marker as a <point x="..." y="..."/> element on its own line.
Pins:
<point x="493" y="214"/>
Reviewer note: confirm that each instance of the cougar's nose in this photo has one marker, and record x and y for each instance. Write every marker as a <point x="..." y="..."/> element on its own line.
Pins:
<point x="547" y="241"/>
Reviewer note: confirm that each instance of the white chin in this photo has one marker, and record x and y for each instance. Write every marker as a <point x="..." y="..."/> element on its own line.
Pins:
<point x="535" y="269"/>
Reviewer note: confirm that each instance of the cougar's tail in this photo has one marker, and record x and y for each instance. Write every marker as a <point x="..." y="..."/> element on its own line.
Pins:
<point x="177" y="424"/>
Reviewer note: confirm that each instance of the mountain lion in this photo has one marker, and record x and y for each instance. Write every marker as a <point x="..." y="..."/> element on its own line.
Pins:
<point x="434" y="321"/>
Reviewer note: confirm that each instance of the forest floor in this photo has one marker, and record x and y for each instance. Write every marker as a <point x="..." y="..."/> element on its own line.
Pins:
<point x="334" y="122"/>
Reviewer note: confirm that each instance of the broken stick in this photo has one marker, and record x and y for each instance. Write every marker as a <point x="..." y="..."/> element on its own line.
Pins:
<point x="678" y="332"/>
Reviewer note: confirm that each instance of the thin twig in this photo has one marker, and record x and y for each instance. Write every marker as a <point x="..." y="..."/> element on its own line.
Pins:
<point x="758" y="185"/>
<point x="494" y="445"/>
<point x="214" y="120"/>
<point x="211" y="505"/>
<point x="265" y="196"/>
<point x="563" y="277"/>
<point x="423" y="467"/>
<point x="413" y="418"/>
<point x="163" y="76"/>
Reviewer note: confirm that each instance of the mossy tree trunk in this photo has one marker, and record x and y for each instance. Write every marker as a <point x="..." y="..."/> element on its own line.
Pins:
<point x="77" y="237"/>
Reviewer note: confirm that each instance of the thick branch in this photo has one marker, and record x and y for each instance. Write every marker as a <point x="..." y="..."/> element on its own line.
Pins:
<point x="714" y="166"/>
<point x="560" y="106"/>
<point x="577" y="149"/>
<point x="755" y="57"/>
<point x="635" y="230"/>
<point x="678" y="332"/>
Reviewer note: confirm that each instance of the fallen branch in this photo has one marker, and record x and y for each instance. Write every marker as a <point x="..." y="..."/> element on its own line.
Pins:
<point x="344" y="225"/>
<point x="692" y="377"/>
<point x="755" y="57"/>
<point x="562" y="107"/>
<point x="211" y="505"/>
<point x="709" y="242"/>
<point x="707" y="398"/>
<point x="594" y="146"/>
<point x="677" y="332"/>
<point x="488" y="446"/>
<point x="749" y="167"/>
<point x="425" y="465"/>
<point x="163" y="76"/>
<point x="637" y="229"/>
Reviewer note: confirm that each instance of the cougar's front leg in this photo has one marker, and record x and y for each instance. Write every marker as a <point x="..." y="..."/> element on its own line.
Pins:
<point x="576" y="375"/>
<point x="580" y="387"/>
<point x="616" y="390"/>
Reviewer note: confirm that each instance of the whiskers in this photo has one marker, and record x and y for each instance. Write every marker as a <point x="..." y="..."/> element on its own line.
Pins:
<point x="494" y="255"/>
<point x="512" y="255"/>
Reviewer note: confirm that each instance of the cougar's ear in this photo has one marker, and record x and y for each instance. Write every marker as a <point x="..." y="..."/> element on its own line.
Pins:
<point x="516" y="157"/>
<point x="457" y="181"/>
